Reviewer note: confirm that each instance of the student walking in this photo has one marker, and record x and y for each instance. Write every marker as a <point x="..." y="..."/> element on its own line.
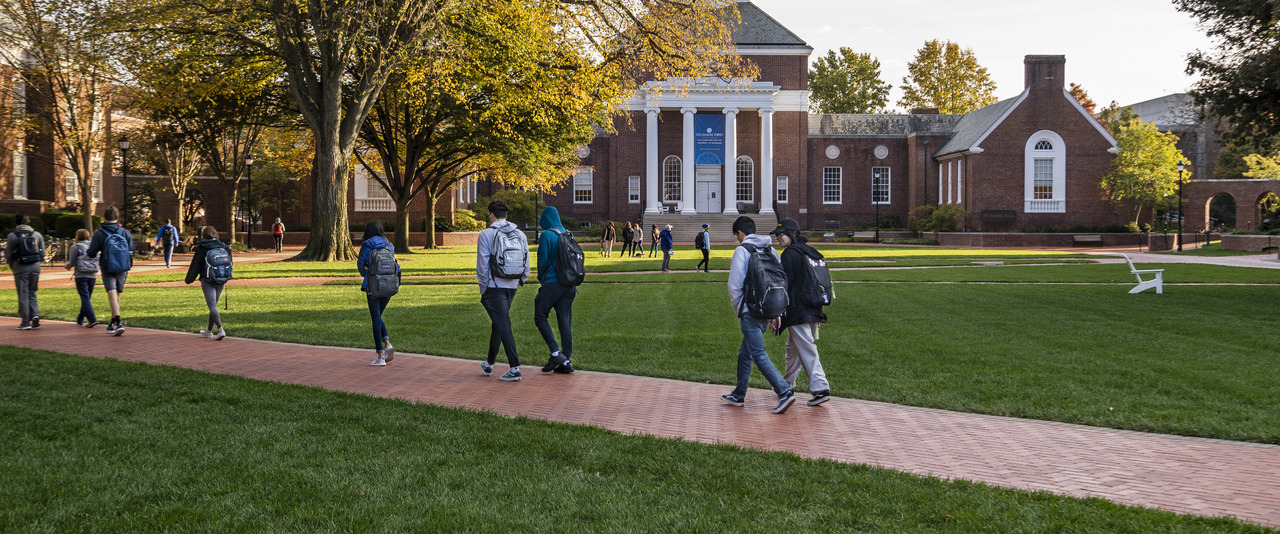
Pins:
<point x="211" y="264"/>
<point x="167" y="238"/>
<point x="376" y="263"/>
<point x="277" y="231"/>
<point x="606" y="240"/>
<point x="24" y="249"/>
<point x="752" y="263"/>
<point x="704" y="245"/>
<point x="554" y="294"/>
<point x="627" y="236"/>
<point x="112" y="244"/>
<point x="502" y="266"/>
<point x="654" y="237"/>
<point x="665" y="236"/>
<point x="638" y="245"/>
<point x="86" y="274"/>
<point x="804" y="315"/>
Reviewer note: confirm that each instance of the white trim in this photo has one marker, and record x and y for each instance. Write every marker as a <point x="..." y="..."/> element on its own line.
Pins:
<point x="20" y="187"/>
<point x="782" y="185"/>
<point x="806" y="51"/>
<point x="976" y="148"/>
<point x="949" y="184"/>
<point x="750" y="181"/>
<point x="1096" y="125"/>
<point x="588" y="188"/>
<point x="1056" y="204"/>
<point x="888" y="186"/>
<point x="711" y="93"/>
<point x="839" y="185"/>
<point x="940" y="185"/>
<point x="960" y="181"/>
<point x="633" y="198"/>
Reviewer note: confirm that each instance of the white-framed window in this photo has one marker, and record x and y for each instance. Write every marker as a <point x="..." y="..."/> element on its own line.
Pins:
<point x="746" y="177"/>
<point x="633" y="189"/>
<point x="73" y="186"/>
<point x="783" y="185"/>
<point x="19" y="95"/>
<point x="832" y="185"/>
<point x="1044" y="144"/>
<point x="1043" y="181"/>
<point x="97" y="179"/>
<point x="370" y="195"/>
<point x="19" y="173"/>
<point x="582" y="184"/>
<point x="879" y="185"/>
<point x="672" y="176"/>
<point x="1045" y="173"/>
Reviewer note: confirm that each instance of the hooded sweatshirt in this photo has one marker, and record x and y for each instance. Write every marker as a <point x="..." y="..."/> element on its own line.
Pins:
<point x="549" y="245"/>
<point x="198" y="268"/>
<point x="484" y="244"/>
<point x="12" y="245"/>
<point x="738" y="268"/>
<point x="366" y="252"/>
<point x="795" y="264"/>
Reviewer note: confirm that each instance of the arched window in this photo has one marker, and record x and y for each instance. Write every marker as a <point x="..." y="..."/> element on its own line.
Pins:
<point x="1045" y="170"/>
<point x="671" y="179"/>
<point x="1044" y="144"/>
<point x="746" y="179"/>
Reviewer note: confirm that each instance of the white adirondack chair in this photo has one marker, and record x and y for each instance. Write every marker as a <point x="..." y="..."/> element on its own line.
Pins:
<point x="1143" y="285"/>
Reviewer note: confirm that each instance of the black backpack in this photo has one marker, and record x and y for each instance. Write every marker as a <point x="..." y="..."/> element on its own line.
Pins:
<point x="217" y="266"/>
<point x="764" y="294"/>
<point x="571" y="266"/>
<point x="816" y="289"/>
<point x="700" y="241"/>
<point x="28" y="249"/>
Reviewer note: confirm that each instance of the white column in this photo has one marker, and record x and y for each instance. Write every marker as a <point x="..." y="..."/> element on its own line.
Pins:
<point x="652" y="169"/>
<point x="687" y="205"/>
<point x="766" y="160"/>
<point x="729" y="195"/>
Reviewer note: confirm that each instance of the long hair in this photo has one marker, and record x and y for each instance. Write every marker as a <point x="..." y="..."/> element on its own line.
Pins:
<point x="208" y="232"/>
<point x="372" y="229"/>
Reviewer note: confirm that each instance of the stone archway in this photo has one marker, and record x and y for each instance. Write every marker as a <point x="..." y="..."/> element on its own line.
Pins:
<point x="1247" y="193"/>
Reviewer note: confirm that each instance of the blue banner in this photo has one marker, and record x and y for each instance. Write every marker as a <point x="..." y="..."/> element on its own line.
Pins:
<point x="708" y="139"/>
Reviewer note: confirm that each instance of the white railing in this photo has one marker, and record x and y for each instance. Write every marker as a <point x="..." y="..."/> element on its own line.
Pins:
<point x="375" y="204"/>
<point x="1046" y="206"/>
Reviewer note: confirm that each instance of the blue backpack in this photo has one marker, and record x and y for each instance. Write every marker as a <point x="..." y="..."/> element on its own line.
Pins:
<point x="217" y="266"/>
<point x="119" y="258"/>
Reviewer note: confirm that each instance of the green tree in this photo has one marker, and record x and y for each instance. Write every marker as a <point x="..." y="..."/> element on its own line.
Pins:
<point x="1145" y="169"/>
<point x="174" y="157"/>
<point x="1237" y="81"/>
<point x="947" y="77"/>
<point x="848" y="82"/>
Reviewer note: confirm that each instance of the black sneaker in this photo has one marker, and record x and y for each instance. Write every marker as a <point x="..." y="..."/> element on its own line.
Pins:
<point x="819" y="397"/>
<point x="119" y="327"/>
<point x="554" y="363"/>
<point x="565" y="368"/>
<point x="733" y="400"/>
<point x="91" y="324"/>
<point x="785" y="401"/>
<point x="35" y="322"/>
<point x="111" y="327"/>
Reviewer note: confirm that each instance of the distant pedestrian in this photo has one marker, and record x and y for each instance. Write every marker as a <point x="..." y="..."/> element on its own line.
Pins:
<point x="167" y="238"/>
<point x="24" y="249"/>
<point x="703" y="243"/>
<point x="747" y="292"/>
<point x="211" y="264"/>
<point x="637" y="246"/>
<point x="665" y="236"/>
<point x="277" y="231"/>
<point x="112" y="244"/>
<point x="502" y="266"/>
<point x="606" y="240"/>
<point x="627" y="235"/>
<point x="554" y="294"/>
<point x="803" y="316"/>
<point x="86" y="275"/>
<point x="381" y="272"/>
<point x="654" y="237"/>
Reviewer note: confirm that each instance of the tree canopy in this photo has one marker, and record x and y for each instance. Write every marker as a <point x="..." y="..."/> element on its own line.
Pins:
<point x="847" y="82"/>
<point x="1237" y="80"/>
<point x="947" y="77"/>
<point x="1145" y="169"/>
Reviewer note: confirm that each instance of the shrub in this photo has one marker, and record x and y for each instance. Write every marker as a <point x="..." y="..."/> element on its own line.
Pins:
<point x="887" y="220"/>
<point x="442" y="224"/>
<point x="68" y="223"/>
<point x="467" y="221"/>
<point x="918" y="219"/>
<point x="48" y="220"/>
<point x="521" y="203"/>
<point x="239" y="247"/>
<point x="7" y="223"/>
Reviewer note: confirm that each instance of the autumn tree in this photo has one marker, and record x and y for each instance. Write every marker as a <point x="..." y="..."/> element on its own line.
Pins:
<point x="174" y="157"/>
<point x="1145" y="169"/>
<point x="847" y="82"/>
<point x="946" y="77"/>
<point x="64" y="60"/>
<point x="1082" y="97"/>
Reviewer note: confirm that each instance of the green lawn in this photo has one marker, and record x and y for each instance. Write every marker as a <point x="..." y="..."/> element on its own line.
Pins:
<point x="105" y="446"/>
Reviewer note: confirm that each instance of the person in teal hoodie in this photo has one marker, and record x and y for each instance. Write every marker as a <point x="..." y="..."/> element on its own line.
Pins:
<point x="553" y="295"/>
<point x="374" y="239"/>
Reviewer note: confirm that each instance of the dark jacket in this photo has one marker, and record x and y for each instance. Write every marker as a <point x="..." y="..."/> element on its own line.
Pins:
<point x="98" y="246"/>
<point x="197" y="268"/>
<point x="609" y="234"/>
<point x="794" y="260"/>
<point x="549" y="245"/>
<point x="627" y="234"/>
<point x="665" y="236"/>
<point x="366" y="250"/>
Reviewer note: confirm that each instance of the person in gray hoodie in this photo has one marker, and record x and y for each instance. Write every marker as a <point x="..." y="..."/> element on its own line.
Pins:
<point x="86" y="274"/>
<point x="553" y="295"/>
<point x="212" y="292"/>
<point x="497" y="293"/>
<point x="752" y="348"/>
<point x="25" y="265"/>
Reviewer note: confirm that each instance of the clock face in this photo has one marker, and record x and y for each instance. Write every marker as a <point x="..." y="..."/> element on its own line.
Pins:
<point x="882" y="152"/>
<point x="583" y="151"/>
<point x="833" y="152"/>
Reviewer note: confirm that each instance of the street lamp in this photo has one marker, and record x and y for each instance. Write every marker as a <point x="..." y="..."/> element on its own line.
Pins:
<point x="248" y="166"/>
<point x="124" y="184"/>
<point x="1181" y="167"/>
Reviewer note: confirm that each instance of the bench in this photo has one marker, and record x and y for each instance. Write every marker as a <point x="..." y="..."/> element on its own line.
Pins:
<point x="1086" y="239"/>
<point x="1143" y="285"/>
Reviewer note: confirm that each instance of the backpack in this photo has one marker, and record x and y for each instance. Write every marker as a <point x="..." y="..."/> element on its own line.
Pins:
<point x="217" y="266"/>
<point x="84" y="262"/>
<point x="277" y="229"/>
<point x="700" y="242"/>
<point x="508" y="256"/>
<point x="28" y="249"/>
<point x="119" y="260"/>
<point x="816" y="290"/>
<point x="168" y="235"/>
<point x="383" y="273"/>
<point x="764" y="294"/>
<point x="571" y="266"/>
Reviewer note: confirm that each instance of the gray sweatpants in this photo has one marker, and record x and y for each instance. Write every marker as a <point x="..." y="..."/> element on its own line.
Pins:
<point x="802" y="351"/>
<point x="211" y="294"/>
<point x="27" y="282"/>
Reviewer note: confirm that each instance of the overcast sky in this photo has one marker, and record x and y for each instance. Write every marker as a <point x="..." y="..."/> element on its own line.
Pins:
<point x="1123" y="50"/>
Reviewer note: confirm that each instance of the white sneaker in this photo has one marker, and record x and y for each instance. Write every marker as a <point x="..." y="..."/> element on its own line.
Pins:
<point x="206" y="333"/>
<point x="379" y="361"/>
<point x="221" y="334"/>
<point x="389" y="352"/>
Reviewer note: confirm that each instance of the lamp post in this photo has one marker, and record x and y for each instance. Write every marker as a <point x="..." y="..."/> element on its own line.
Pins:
<point x="124" y="184"/>
<point x="1181" y="167"/>
<point x="248" y="169"/>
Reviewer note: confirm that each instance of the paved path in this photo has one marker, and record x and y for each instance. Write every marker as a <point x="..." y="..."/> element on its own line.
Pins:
<point x="1185" y="475"/>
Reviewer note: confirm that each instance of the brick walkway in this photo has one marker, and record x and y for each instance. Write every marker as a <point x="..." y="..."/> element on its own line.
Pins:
<point x="1185" y="475"/>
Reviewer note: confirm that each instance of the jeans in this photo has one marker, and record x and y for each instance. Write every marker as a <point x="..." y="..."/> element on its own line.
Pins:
<point x="378" y="305"/>
<point x="706" y="261"/>
<point x="802" y="352"/>
<point x="84" y="287"/>
<point x="27" y="282"/>
<point x="497" y="302"/>
<point x="653" y="248"/>
<point x="555" y="296"/>
<point x="168" y="254"/>
<point x="752" y="351"/>
<point x="211" y="294"/>
<point x="666" y="260"/>
<point x="626" y="247"/>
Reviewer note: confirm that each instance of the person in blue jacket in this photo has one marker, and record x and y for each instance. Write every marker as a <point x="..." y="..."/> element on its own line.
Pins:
<point x="553" y="295"/>
<point x="167" y="238"/>
<point x="665" y="236"/>
<point x="374" y="239"/>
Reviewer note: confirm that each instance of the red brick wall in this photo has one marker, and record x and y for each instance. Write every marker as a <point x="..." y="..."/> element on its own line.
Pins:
<point x="790" y="72"/>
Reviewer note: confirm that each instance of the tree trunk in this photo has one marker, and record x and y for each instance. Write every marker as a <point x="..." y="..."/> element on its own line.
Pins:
<point x="402" y="226"/>
<point x="330" y="236"/>
<point x="230" y="192"/>
<point x="431" y="221"/>
<point x="180" y="212"/>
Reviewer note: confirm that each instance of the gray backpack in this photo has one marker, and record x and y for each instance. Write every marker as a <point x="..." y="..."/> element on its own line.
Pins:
<point x="384" y="273"/>
<point x="508" y="257"/>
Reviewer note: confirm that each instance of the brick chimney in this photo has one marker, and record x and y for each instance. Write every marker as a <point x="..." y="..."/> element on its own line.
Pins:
<point x="1045" y="73"/>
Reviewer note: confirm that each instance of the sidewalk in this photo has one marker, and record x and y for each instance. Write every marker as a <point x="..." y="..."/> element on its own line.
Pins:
<point x="54" y="275"/>
<point x="1184" y="475"/>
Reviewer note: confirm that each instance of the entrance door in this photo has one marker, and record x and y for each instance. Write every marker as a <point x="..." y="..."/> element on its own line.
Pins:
<point x="707" y="188"/>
